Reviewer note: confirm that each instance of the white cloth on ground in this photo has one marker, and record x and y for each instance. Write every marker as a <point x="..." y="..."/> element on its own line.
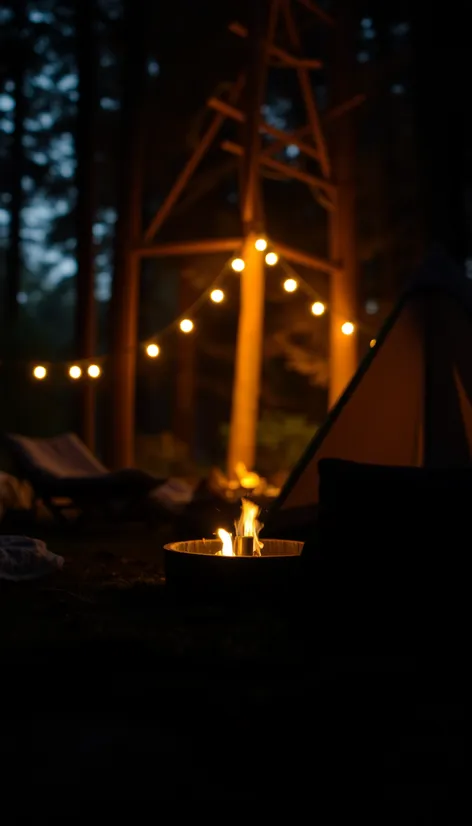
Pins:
<point x="23" y="558"/>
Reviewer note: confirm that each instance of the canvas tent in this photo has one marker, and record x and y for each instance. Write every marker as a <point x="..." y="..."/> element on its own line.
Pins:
<point x="410" y="402"/>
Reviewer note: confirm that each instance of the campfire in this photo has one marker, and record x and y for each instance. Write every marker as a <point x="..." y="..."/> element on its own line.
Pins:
<point x="246" y="541"/>
<point x="233" y="564"/>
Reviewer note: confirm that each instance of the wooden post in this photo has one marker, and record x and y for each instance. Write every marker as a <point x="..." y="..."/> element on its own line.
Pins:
<point x="185" y="378"/>
<point x="247" y="371"/>
<point x="125" y="297"/>
<point x="248" y="362"/>
<point x="342" y="223"/>
<point x="85" y="178"/>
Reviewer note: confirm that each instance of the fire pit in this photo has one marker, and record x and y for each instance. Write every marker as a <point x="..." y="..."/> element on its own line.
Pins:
<point x="242" y="564"/>
<point x="199" y="565"/>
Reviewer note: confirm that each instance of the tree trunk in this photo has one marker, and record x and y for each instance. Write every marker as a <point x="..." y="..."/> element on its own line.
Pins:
<point x="440" y="65"/>
<point x="85" y="181"/>
<point x="344" y="284"/>
<point x="125" y="295"/>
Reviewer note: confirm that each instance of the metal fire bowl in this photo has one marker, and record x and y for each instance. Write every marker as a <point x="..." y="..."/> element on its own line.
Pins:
<point x="196" y="566"/>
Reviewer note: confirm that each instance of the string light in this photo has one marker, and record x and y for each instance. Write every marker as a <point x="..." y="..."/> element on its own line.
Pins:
<point x="271" y="259"/>
<point x="318" y="308"/>
<point x="40" y="372"/>
<point x="290" y="285"/>
<point x="238" y="264"/>
<point x="186" y="325"/>
<point x="152" y="351"/>
<point x="216" y="295"/>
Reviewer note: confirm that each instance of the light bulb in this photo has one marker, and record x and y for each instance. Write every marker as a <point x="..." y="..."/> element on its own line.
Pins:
<point x="152" y="351"/>
<point x="290" y="285"/>
<point x="75" y="371"/>
<point x="271" y="259"/>
<point x="186" y="325"/>
<point x="238" y="264"/>
<point x="217" y="296"/>
<point x="94" y="371"/>
<point x="373" y="342"/>
<point x="347" y="328"/>
<point x="318" y="308"/>
<point x="40" y="372"/>
<point x="261" y="244"/>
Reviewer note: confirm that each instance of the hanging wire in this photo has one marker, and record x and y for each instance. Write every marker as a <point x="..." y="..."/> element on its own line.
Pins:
<point x="91" y="367"/>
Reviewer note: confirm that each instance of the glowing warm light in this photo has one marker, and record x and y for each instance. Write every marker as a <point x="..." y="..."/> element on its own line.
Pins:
<point x="186" y="325"/>
<point x="246" y="478"/>
<point x="227" y="540"/>
<point x="290" y="285"/>
<point x="261" y="244"/>
<point x="373" y="342"/>
<point x="238" y="264"/>
<point x="40" y="372"/>
<point x="217" y="296"/>
<point x="271" y="259"/>
<point x="75" y="371"/>
<point x="249" y="525"/>
<point x="152" y="351"/>
<point x="318" y="308"/>
<point x="94" y="371"/>
<point x="347" y="328"/>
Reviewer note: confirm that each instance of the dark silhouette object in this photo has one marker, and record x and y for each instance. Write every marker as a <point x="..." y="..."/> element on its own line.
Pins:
<point x="66" y="476"/>
<point x="384" y="566"/>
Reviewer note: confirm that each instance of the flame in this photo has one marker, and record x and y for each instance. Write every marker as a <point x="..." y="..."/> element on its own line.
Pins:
<point x="246" y="478"/>
<point x="227" y="540"/>
<point x="248" y="524"/>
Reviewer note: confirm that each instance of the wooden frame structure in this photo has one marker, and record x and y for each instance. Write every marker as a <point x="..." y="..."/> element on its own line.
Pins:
<point x="243" y="105"/>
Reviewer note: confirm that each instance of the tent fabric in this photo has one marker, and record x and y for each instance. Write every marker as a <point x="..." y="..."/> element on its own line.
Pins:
<point x="410" y="402"/>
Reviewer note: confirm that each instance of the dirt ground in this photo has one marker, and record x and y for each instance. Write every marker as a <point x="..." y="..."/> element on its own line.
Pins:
<point x="114" y="690"/>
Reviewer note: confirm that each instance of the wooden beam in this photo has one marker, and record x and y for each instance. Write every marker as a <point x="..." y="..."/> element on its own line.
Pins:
<point x="308" y="96"/>
<point x="343" y="108"/>
<point x="191" y="165"/>
<point x="285" y="138"/>
<point x="283" y="168"/>
<point x="277" y="146"/>
<point x="305" y="259"/>
<point x="316" y="10"/>
<point x="202" y="246"/>
<point x="327" y="117"/>
<point x="286" y="58"/>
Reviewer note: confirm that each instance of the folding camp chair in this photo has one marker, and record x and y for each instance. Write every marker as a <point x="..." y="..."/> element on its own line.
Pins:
<point x="67" y="477"/>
